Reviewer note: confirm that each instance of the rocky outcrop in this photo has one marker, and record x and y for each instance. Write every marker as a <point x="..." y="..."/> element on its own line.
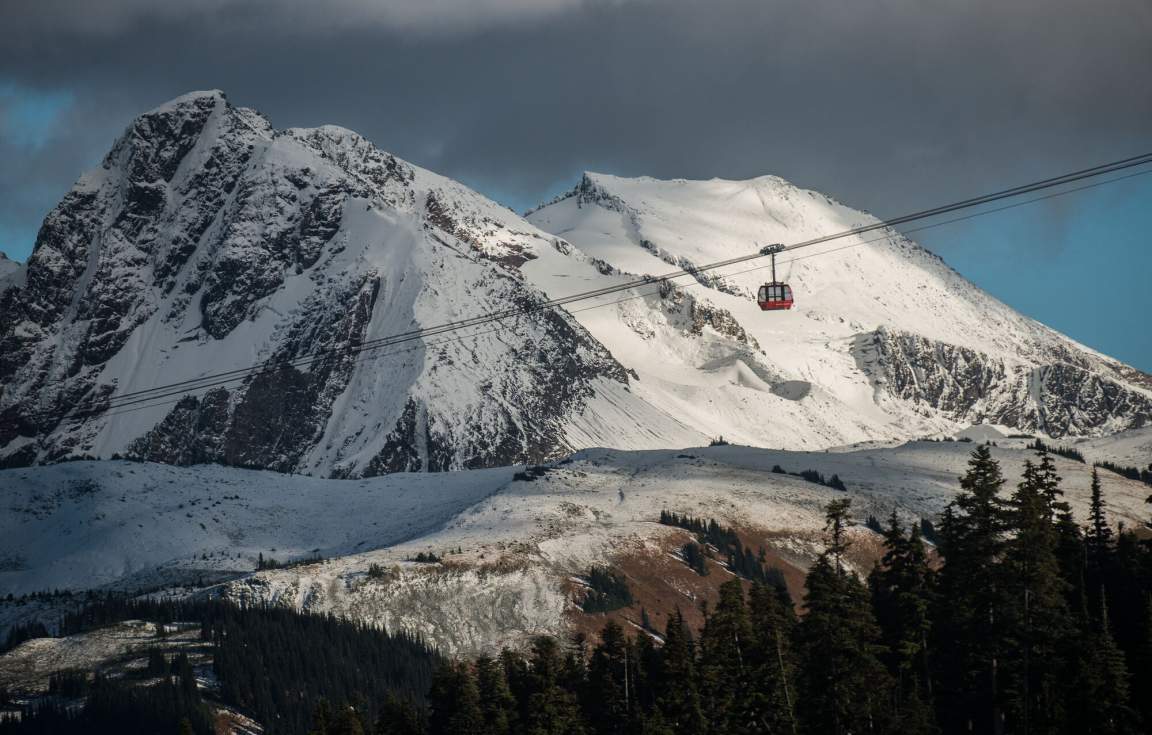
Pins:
<point x="1071" y="397"/>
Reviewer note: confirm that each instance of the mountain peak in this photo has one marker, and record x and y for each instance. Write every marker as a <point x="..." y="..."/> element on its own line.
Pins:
<point x="197" y="97"/>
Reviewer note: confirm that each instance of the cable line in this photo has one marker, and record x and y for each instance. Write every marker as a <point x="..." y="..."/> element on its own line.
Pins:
<point x="211" y="380"/>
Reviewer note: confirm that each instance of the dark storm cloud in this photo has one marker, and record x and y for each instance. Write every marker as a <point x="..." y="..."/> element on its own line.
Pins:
<point x="885" y="105"/>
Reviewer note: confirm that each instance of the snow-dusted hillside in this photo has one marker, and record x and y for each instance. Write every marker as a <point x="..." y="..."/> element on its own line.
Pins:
<point x="209" y="241"/>
<point x="1128" y="448"/>
<point x="510" y="547"/>
<point x="91" y="524"/>
<point x="885" y="340"/>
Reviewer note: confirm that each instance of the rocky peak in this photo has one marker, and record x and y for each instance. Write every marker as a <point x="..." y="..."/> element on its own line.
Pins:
<point x="209" y="241"/>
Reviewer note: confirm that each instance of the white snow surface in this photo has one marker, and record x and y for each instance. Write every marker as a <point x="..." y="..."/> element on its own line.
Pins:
<point x="91" y="524"/>
<point x="844" y="288"/>
<point x="1132" y="448"/>
<point x="507" y="546"/>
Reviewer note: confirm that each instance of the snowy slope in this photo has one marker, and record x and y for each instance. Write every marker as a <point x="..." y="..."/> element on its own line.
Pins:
<point x="209" y="241"/>
<point x="886" y="337"/>
<point x="509" y="546"/>
<point x="1131" y="448"/>
<point x="91" y="524"/>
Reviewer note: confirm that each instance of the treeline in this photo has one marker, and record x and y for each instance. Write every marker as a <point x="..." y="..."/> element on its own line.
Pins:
<point x="741" y="560"/>
<point x="268" y="563"/>
<point x="17" y="634"/>
<point x="1028" y="624"/>
<point x="115" y="706"/>
<point x="1066" y="452"/>
<point x="1132" y="473"/>
<point x="607" y="590"/>
<point x="736" y="676"/>
<point x="273" y="664"/>
<point x="278" y="665"/>
<point x="815" y="477"/>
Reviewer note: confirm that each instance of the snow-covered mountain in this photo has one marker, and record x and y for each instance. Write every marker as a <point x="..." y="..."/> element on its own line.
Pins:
<point x="885" y="338"/>
<point x="209" y="241"/>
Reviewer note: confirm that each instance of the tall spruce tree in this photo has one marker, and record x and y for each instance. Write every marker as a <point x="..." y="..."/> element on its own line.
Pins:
<point x="678" y="700"/>
<point x="772" y="702"/>
<point x="497" y="704"/>
<point x="454" y="700"/>
<point x="645" y="662"/>
<point x="1100" y="703"/>
<point x="1099" y="545"/>
<point x="844" y="687"/>
<point x="1098" y="536"/>
<point x="400" y="716"/>
<point x="551" y="709"/>
<point x="967" y="631"/>
<point x="725" y="673"/>
<point x="901" y="585"/>
<point x="611" y="697"/>
<point x="1037" y="622"/>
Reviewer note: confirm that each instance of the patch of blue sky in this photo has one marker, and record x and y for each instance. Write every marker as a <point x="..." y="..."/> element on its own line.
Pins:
<point x="28" y="117"/>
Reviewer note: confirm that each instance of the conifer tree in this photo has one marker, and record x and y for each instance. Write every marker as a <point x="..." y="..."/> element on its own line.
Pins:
<point x="1100" y="695"/>
<point x="1098" y="544"/>
<point x="844" y="687"/>
<point x="1037" y="622"/>
<point x="679" y="699"/>
<point x="497" y="704"/>
<point x="724" y="668"/>
<point x="611" y="687"/>
<point x="967" y="629"/>
<point x="901" y="597"/>
<point x="1098" y="537"/>
<point x="454" y="700"/>
<point x="645" y="662"/>
<point x="551" y="709"/>
<point x="772" y="702"/>
<point x="836" y="521"/>
<point x="400" y="716"/>
<point x="574" y="670"/>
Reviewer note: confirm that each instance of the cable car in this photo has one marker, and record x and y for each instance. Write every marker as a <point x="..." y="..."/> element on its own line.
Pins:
<point x="777" y="295"/>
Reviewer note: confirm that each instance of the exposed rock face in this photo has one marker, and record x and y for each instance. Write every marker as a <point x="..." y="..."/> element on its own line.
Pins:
<point x="1069" y="397"/>
<point x="209" y="241"/>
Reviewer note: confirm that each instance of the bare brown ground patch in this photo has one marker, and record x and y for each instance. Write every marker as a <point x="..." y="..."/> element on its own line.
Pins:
<point x="661" y="582"/>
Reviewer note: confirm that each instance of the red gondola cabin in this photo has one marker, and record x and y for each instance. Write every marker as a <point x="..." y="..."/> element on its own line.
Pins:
<point x="774" y="296"/>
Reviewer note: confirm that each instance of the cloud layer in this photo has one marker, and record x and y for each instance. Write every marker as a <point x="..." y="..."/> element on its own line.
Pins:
<point x="886" y="104"/>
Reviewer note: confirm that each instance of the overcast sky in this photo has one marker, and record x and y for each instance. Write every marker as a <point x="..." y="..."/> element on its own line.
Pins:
<point x="887" y="105"/>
